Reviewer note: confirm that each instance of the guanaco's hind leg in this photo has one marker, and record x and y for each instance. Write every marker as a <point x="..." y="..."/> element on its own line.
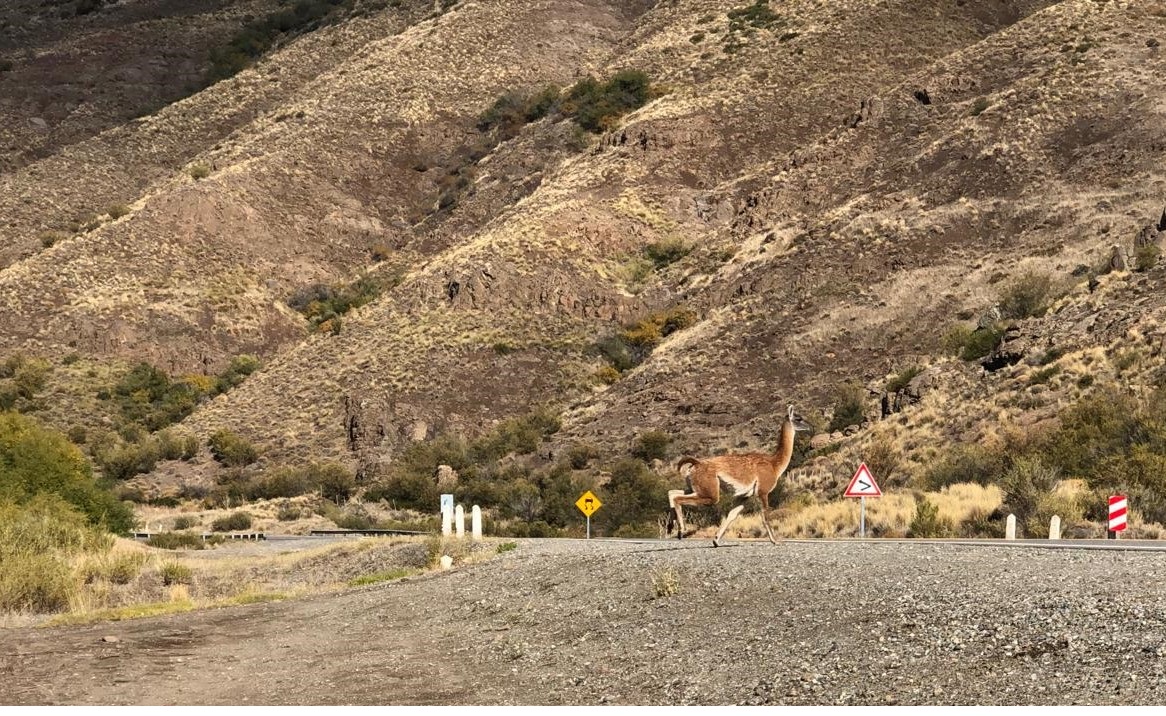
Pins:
<point x="765" y="515"/>
<point x="677" y="498"/>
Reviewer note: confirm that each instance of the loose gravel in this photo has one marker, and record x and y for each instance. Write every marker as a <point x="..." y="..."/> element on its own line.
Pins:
<point x="572" y="622"/>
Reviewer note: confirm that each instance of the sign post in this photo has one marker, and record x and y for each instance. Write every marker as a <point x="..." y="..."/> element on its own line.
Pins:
<point x="1118" y="507"/>
<point x="862" y="486"/>
<point x="588" y="504"/>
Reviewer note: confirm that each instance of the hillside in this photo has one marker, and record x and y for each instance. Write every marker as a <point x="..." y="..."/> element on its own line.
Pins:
<point x="814" y="195"/>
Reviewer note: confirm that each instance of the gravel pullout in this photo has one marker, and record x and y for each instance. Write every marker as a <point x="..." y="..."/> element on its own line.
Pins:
<point x="569" y="622"/>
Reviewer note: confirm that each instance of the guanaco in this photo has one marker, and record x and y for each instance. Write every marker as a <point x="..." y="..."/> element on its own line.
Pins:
<point x="748" y="475"/>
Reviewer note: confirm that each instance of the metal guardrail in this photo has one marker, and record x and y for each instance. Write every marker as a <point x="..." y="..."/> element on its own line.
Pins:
<point x="207" y="535"/>
<point x="368" y="532"/>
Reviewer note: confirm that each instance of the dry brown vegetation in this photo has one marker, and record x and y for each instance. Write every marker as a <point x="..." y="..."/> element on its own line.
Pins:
<point x="826" y="221"/>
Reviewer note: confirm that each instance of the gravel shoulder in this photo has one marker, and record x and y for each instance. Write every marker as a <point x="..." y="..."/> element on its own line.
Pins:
<point x="572" y="622"/>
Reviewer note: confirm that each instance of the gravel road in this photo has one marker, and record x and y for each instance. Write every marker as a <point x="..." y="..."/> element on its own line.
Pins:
<point x="569" y="622"/>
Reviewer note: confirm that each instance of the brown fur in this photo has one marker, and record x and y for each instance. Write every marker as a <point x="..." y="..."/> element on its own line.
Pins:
<point x="747" y="474"/>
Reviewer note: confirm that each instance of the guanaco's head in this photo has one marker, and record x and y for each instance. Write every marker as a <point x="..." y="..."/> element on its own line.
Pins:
<point x="796" y="420"/>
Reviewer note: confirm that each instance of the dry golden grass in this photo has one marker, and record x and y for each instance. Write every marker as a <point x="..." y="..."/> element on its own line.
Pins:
<point x="887" y="516"/>
<point x="220" y="578"/>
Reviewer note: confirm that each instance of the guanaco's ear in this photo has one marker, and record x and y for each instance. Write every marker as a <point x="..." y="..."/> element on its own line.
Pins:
<point x="791" y="413"/>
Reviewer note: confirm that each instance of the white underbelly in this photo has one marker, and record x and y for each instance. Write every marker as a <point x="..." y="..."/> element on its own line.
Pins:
<point x="739" y="490"/>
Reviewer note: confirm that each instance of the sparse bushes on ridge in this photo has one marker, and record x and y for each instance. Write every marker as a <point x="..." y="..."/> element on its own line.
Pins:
<point x="322" y="304"/>
<point x="21" y="380"/>
<point x="258" y="36"/>
<point x="147" y="395"/>
<point x="630" y="346"/>
<point x="595" y="106"/>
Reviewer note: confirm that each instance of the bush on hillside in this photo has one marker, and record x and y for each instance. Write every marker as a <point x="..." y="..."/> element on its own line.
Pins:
<point x="231" y="449"/>
<point x="36" y="460"/>
<point x="234" y="522"/>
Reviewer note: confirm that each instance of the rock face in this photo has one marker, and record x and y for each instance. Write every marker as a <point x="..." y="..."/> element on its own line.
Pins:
<point x="911" y="393"/>
<point x="1150" y="235"/>
<point x="1119" y="258"/>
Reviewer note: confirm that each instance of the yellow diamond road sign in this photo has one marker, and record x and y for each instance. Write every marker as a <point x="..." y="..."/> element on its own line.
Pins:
<point x="588" y="503"/>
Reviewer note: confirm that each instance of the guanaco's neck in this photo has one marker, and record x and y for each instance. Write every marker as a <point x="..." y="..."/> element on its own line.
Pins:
<point x="785" y="447"/>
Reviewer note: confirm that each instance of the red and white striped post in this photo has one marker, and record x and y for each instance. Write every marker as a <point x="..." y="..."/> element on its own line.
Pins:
<point x="1117" y="514"/>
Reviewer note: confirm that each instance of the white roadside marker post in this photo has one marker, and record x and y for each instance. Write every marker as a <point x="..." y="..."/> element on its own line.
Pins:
<point x="476" y="523"/>
<point x="1055" y="527"/>
<point x="459" y="521"/>
<point x="1010" y="527"/>
<point x="446" y="523"/>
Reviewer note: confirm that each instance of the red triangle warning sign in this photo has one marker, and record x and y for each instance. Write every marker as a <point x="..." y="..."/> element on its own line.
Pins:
<point x="863" y="484"/>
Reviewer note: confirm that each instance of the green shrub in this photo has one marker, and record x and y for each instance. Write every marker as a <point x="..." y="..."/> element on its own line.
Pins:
<point x="651" y="445"/>
<point x="49" y="239"/>
<point x="323" y="305"/>
<point x="1027" y="296"/>
<point x="849" y="407"/>
<point x="336" y="482"/>
<point x="122" y="567"/>
<point x="965" y="462"/>
<point x="927" y="523"/>
<point x="232" y="450"/>
<point x="117" y="211"/>
<point x="236" y="372"/>
<point x="199" y="171"/>
<point x="667" y="251"/>
<point x="633" y="495"/>
<point x="288" y="512"/>
<point x="185" y="522"/>
<point x="1025" y="485"/>
<point x="128" y="460"/>
<point x="177" y="540"/>
<point x="979" y="106"/>
<point x="146" y="395"/>
<point x="260" y="34"/>
<point x="389" y="575"/>
<point x="1044" y="375"/>
<point x="971" y="344"/>
<point x="35" y="460"/>
<point x="598" y="107"/>
<point x="175" y="573"/>
<point x="234" y="522"/>
<point x="77" y="434"/>
<point x="581" y="454"/>
<point x="506" y="547"/>
<point x="1146" y="257"/>
<point x="634" y="343"/>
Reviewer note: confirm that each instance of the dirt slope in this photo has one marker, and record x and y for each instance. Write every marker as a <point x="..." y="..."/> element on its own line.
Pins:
<point x="853" y="179"/>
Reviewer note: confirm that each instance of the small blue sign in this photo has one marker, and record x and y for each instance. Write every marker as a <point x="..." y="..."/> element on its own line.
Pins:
<point x="447" y="503"/>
